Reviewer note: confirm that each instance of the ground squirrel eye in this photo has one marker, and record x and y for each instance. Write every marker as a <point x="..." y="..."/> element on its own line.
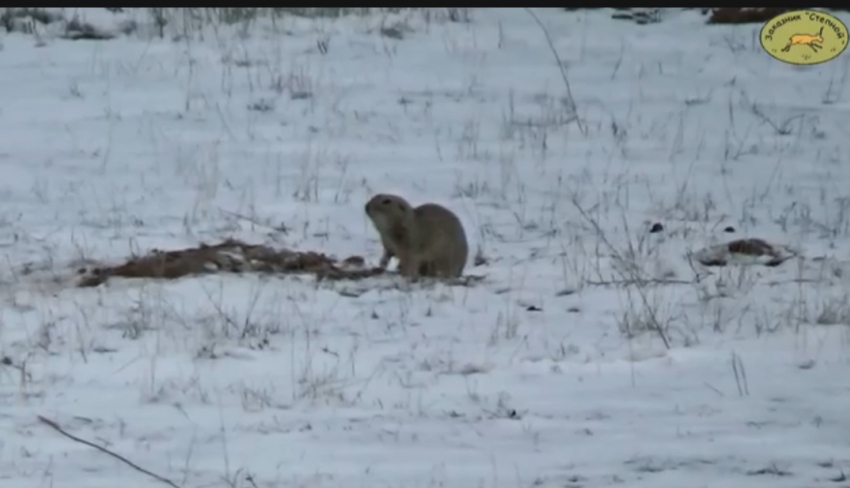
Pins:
<point x="386" y="201"/>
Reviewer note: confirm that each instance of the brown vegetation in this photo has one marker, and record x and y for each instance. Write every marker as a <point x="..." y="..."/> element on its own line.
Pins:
<point x="747" y="247"/>
<point x="745" y="15"/>
<point x="229" y="256"/>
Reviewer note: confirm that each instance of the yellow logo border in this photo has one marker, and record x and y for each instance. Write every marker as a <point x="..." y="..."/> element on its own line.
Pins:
<point x="766" y="29"/>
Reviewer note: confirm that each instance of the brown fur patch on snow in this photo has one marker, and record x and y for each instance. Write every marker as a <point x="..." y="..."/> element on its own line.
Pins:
<point x="752" y="247"/>
<point x="762" y="251"/>
<point x="229" y="256"/>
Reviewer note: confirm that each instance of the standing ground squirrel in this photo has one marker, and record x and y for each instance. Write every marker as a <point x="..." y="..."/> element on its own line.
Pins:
<point x="428" y="240"/>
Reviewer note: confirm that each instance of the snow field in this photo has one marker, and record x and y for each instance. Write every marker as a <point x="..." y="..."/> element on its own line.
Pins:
<point x="550" y="372"/>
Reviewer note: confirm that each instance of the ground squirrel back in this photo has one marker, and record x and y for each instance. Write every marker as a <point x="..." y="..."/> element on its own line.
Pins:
<point x="428" y="240"/>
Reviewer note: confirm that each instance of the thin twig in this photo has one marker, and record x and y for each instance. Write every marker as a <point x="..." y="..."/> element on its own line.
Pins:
<point x="640" y="282"/>
<point x="53" y="425"/>
<point x="635" y="275"/>
<point x="560" y="68"/>
<point x="281" y="228"/>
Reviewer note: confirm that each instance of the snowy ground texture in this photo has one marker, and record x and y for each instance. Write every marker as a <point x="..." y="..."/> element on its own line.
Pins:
<point x="550" y="372"/>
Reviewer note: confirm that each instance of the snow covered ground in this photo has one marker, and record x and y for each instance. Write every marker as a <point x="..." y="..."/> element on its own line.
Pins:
<point x="550" y="372"/>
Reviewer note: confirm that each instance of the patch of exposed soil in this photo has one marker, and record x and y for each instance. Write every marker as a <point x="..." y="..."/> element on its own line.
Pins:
<point x="229" y="256"/>
<point x="717" y="15"/>
<point x="746" y="15"/>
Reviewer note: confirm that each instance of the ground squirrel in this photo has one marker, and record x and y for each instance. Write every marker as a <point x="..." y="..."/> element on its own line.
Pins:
<point x="428" y="240"/>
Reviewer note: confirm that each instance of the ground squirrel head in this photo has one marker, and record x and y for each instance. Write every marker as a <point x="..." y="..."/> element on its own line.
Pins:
<point x="386" y="210"/>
